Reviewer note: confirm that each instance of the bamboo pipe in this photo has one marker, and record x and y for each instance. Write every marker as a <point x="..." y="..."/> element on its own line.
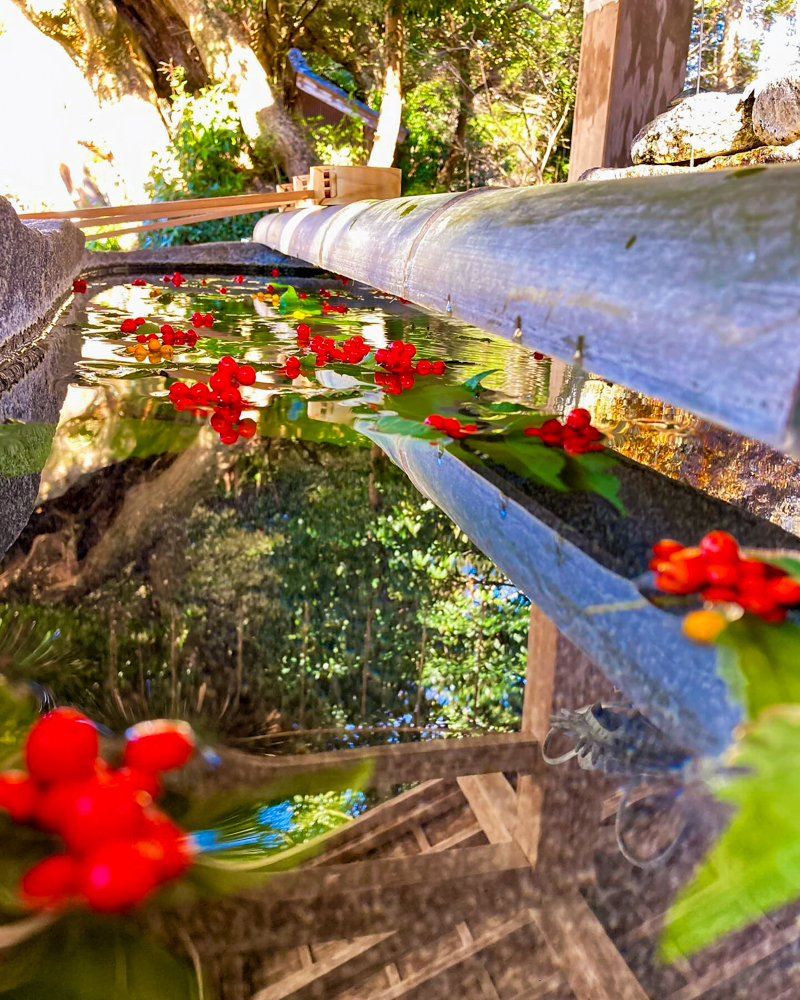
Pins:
<point x="180" y="220"/>
<point x="148" y="209"/>
<point x="681" y="287"/>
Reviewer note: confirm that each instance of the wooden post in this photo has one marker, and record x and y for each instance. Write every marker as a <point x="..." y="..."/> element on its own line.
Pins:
<point x="633" y="62"/>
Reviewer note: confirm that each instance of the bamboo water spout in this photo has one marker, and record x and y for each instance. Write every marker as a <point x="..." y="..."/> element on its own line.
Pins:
<point x="685" y="288"/>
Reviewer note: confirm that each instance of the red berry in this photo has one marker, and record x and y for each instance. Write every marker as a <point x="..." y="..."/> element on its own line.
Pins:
<point x="438" y="367"/>
<point x="176" y="845"/>
<point x="178" y="389"/>
<point x="246" y="374"/>
<point x="275" y="272"/>
<point x="161" y="745"/>
<point x="128" y="326"/>
<point x="18" y="795"/>
<point x="757" y="604"/>
<point x="220" y="423"/>
<point x="220" y="380"/>
<point x="229" y="396"/>
<point x="303" y="330"/>
<point x="717" y="594"/>
<point x="785" y="590"/>
<point x="666" y="548"/>
<point x="721" y="545"/>
<point x="200" y="392"/>
<point x="117" y="876"/>
<point x="424" y="367"/>
<point x="579" y="419"/>
<point x="752" y="570"/>
<point x="61" y="746"/>
<point x="142" y="338"/>
<point x="229" y="437"/>
<point x="142" y="781"/>
<point x="50" y="882"/>
<point x="139" y="321"/>
<point x="227" y="364"/>
<point x="724" y="574"/>
<point x="106" y="807"/>
<point x="248" y="427"/>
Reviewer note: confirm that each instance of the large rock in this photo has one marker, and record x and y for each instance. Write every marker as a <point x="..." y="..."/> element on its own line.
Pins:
<point x="776" y="109"/>
<point x="701" y="126"/>
<point x="37" y="264"/>
<point x="759" y="156"/>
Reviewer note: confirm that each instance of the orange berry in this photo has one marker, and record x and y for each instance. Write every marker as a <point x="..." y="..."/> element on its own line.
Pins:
<point x="703" y="626"/>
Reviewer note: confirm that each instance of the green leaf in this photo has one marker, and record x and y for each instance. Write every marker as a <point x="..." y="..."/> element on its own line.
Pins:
<point x="591" y="473"/>
<point x="505" y="407"/>
<point x="24" y="448"/>
<point x="412" y="428"/>
<point x="528" y="459"/>
<point x="474" y="384"/>
<point x="91" y="958"/>
<point x="760" y="662"/>
<point x="755" y="865"/>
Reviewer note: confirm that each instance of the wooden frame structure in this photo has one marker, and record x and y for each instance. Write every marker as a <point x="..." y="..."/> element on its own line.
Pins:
<point x="477" y="883"/>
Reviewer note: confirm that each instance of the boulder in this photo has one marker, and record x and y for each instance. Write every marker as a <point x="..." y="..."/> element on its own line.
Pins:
<point x="759" y="156"/>
<point x="38" y="261"/>
<point x="776" y="107"/>
<point x="702" y="126"/>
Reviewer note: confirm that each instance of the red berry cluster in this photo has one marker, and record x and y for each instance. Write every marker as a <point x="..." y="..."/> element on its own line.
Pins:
<point x="223" y="395"/>
<point x="393" y="384"/>
<point x="171" y="336"/>
<point x="450" y="425"/>
<point x="130" y="325"/>
<point x="200" y="320"/>
<point x="79" y="286"/>
<point x="118" y="846"/>
<point x="323" y="293"/>
<point x="397" y="358"/>
<point x="351" y="352"/>
<point x="176" y="279"/>
<point x="576" y="435"/>
<point x="328" y="308"/>
<point x="138" y="282"/>
<point x="717" y="570"/>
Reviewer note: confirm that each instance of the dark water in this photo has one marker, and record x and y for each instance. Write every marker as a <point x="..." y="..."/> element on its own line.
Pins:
<point x="296" y="591"/>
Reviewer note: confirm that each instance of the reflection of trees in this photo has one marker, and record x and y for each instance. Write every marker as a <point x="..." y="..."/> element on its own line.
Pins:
<point x="311" y="586"/>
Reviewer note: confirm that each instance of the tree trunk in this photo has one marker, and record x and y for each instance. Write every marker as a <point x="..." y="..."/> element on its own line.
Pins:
<point x="388" y="129"/>
<point x="229" y="58"/>
<point x="727" y="72"/>
<point x="458" y="147"/>
<point x="110" y="56"/>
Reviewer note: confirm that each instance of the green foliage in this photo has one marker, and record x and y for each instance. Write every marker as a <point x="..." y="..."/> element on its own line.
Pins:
<point x="755" y="865"/>
<point x="760" y="663"/>
<point x="24" y="447"/>
<point x="207" y="158"/>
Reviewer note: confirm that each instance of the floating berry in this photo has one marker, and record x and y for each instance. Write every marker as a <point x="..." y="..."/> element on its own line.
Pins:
<point x="79" y="286"/>
<point x="106" y="807"/>
<point x="227" y="363"/>
<point x="51" y="882"/>
<point x="161" y="745"/>
<point x="247" y="427"/>
<point x="703" y="626"/>
<point x="229" y="437"/>
<point x="424" y="367"/>
<point x="720" y="544"/>
<point x="222" y="290"/>
<point x="275" y="272"/>
<point x="179" y="389"/>
<point x="246" y="374"/>
<point x="138" y="282"/>
<point x="117" y="876"/>
<point x="128" y="325"/>
<point x="578" y="419"/>
<point x="303" y="330"/>
<point x="238" y="278"/>
<point x="61" y="746"/>
<point x="220" y="380"/>
<point x="200" y="392"/>
<point x="438" y="367"/>
<point x="18" y="795"/>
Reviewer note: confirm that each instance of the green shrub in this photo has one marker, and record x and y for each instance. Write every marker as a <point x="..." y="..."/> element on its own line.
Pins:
<point x="207" y="158"/>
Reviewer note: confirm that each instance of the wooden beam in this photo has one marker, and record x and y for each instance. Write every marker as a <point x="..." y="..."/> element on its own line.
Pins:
<point x="633" y="62"/>
<point x="492" y="800"/>
<point x="393" y="764"/>
<point x="318" y="972"/>
<point x="455" y="957"/>
<point x="593" y="967"/>
<point x="463" y="862"/>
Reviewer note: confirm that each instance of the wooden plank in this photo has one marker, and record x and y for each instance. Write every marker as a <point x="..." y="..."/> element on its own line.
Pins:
<point x="455" y="957"/>
<point x="463" y="838"/>
<point x="633" y="62"/>
<point x="181" y="220"/>
<point x="319" y="971"/>
<point x="145" y="210"/>
<point x="463" y="862"/>
<point x="396" y="763"/>
<point x="492" y="800"/>
<point x="593" y="967"/>
<point x="356" y="183"/>
<point x="741" y="961"/>
<point x="536" y="709"/>
<point x="541" y="989"/>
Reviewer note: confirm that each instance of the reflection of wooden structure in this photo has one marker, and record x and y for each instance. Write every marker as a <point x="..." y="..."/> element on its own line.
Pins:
<point x="481" y="882"/>
<point x="633" y="62"/>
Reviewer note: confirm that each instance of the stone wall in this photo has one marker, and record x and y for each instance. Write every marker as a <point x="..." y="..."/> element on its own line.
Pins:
<point x="37" y="264"/>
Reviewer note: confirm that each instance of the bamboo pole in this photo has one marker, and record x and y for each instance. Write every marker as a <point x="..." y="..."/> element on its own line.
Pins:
<point x="164" y="208"/>
<point x="180" y="220"/>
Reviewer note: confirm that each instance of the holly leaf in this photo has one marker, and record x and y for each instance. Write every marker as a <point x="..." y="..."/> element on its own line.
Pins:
<point x="755" y="865"/>
<point x="528" y="459"/>
<point x="590" y="473"/>
<point x="760" y="663"/>
<point x="473" y="384"/>
<point x="412" y="428"/>
<point x="505" y="407"/>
